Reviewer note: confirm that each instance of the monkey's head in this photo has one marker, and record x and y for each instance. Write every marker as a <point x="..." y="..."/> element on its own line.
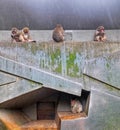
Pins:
<point x="59" y="26"/>
<point x="101" y="29"/>
<point x="14" y="30"/>
<point x="73" y="101"/>
<point x="26" y="30"/>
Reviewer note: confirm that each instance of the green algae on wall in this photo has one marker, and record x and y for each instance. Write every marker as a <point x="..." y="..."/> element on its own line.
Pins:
<point x="66" y="59"/>
<point x="55" y="57"/>
<point x="72" y="68"/>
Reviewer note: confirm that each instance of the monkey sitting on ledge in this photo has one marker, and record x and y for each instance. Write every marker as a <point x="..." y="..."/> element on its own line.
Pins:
<point x="76" y="106"/>
<point x="58" y="33"/>
<point x="15" y="35"/>
<point x="21" y="36"/>
<point x="100" y="34"/>
<point x="25" y="35"/>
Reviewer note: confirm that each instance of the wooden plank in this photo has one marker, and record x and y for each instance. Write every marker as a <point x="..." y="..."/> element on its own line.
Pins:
<point x="45" y="110"/>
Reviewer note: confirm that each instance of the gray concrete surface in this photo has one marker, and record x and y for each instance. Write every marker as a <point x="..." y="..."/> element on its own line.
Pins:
<point x="57" y="66"/>
<point x="104" y="98"/>
<point x="16" y="89"/>
<point x="70" y="35"/>
<point x="31" y="111"/>
<point x="6" y="79"/>
<point x="49" y="80"/>
<point x="103" y="114"/>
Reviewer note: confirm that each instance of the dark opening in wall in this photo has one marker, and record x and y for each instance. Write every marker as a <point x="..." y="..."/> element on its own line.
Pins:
<point x="84" y="100"/>
<point x="45" y="111"/>
<point x="58" y="106"/>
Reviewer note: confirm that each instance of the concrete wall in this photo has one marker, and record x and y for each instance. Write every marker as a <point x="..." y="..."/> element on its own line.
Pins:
<point x="70" y="35"/>
<point x="103" y="114"/>
<point x="31" y="111"/>
<point x="14" y="90"/>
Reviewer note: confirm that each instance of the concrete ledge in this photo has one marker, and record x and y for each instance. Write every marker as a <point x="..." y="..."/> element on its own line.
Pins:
<point x="70" y="35"/>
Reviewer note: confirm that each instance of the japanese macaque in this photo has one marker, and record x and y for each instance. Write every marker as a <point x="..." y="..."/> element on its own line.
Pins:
<point x="100" y="34"/>
<point x="21" y="36"/>
<point x="15" y="35"/>
<point x="58" y="33"/>
<point x="76" y="106"/>
<point x="25" y="35"/>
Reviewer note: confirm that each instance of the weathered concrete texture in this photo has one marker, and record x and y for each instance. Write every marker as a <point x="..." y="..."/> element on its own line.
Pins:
<point x="105" y="69"/>
<point x="68" y="67"/>
<point x="43" y="54"/>
<point x="16" y="89"/>
<point x="25" y="100"/>
<point x="103" y="114"/>
<point x="31" y="111"/>
<point x="66" y="60"/>
<point x="46" y="78"/>
<point x="101" y="86"/>
<point x="6" y="79"/>
<point x="70" y="35"/>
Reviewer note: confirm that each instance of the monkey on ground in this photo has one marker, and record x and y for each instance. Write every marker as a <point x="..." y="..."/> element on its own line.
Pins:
<point x="76" y="106"/>
<point x="100" y="34"/>
<point x="58" y="33"/>
<point x="25" y="35"/>
<point x="15" y="35"/>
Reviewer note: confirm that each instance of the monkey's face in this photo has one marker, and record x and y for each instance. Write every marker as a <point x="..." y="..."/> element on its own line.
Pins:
<point x="26" y="30"/>
<point x="14" y="31"/>
<point x="101" y="30"/>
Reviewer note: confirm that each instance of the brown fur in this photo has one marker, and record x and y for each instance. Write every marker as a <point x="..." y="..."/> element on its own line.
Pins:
<point x="100" y="34"/>
<point x="76" y="106"/>
<point x="26" y="35"/>
<point x="15" y="35"/>
<point x="58" y="33"/>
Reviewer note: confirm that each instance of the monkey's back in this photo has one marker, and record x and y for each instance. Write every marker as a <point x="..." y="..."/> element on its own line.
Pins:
<point x="58" y="34"/>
